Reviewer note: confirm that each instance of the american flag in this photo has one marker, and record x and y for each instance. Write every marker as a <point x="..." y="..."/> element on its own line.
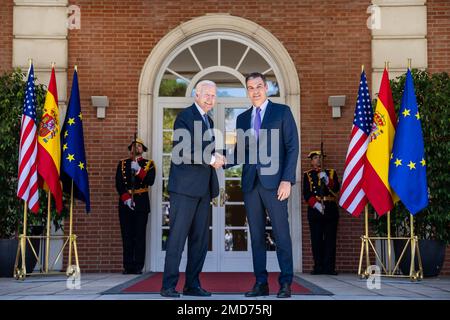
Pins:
<point x="27" y="188"/>
<point x="353" y="198"/>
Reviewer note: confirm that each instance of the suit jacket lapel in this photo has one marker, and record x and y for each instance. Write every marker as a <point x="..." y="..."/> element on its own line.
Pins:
<point x="247" y="119"/>
<point x="267" y="114"/>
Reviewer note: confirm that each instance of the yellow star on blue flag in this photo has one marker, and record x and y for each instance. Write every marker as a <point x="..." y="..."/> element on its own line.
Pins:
<point x="73" y="148"/>
<point x="409" y="181"/>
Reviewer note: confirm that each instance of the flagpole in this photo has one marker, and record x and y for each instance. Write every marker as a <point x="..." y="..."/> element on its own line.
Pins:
<point x="366" y="218"/>
<point x="409" y="63"/>
<point x="47" y="249"/>
<point x="389" y="240"/>
<point x="413" y="247"/>
<point x="70" y="226"/>
<point x="362" y="68"/>
<point x="23" y="241"/>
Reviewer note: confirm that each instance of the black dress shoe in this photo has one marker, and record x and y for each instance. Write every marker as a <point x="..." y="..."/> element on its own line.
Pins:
<point x="127" y="271"/>
<point x="285" y="291"/>
<point x="170" y="293"/>
<point x="198" y="292"/>
<point x="259" y="289"/>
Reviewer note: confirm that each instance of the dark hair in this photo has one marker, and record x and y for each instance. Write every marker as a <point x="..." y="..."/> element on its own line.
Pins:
<point x="255" y="75"/>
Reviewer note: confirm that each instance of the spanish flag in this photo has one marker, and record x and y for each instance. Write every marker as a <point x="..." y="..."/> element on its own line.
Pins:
<point x="376" y="170"/>
<point x="49" y="145"/>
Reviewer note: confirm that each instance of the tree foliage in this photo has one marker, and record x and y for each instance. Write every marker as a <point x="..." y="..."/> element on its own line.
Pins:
<point x="433" y="97"/>
<point x="12" y="91"/>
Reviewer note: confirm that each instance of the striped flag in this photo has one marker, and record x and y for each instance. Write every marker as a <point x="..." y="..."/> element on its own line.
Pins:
<point x="353" y="199"/>
<point x="49" y="145"/>
<point x="376" y="169"/>
<point x="27" y="188"/>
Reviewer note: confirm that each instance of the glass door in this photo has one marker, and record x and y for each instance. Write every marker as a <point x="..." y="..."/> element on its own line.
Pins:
<point x="234" y="245"/>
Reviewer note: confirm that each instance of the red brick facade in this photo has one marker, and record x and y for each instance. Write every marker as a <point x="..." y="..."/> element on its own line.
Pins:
<point x="6" y="36"/>
<point x="328" y="42"/>
<point x="438" y="19"/>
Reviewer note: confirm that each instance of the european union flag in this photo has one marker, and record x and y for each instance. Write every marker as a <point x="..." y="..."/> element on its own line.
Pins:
<point x="407" y="167"/>
<point x="73" y="157"/>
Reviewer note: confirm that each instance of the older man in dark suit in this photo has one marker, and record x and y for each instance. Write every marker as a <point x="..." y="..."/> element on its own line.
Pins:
<point x="192" y="184"/>
<point x="269" y="157"/>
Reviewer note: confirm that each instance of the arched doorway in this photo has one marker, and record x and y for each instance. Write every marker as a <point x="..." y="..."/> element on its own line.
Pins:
<point x="223" y="55"/>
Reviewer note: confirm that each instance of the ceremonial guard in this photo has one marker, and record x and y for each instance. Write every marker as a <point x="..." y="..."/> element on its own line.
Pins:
<point x="320" y="188"/>
<point x="133" y="178"/>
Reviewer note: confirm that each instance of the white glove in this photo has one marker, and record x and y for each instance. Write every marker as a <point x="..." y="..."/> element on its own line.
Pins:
<point x="323" y="175"/>
<point x="318" y="206"/>
<point x="129" y="203"/>
<point x="135" y="166"/>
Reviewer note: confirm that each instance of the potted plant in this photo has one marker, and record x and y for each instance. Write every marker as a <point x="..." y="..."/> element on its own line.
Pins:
<point x="431" y="225"/>
<point x="12" y="87"/>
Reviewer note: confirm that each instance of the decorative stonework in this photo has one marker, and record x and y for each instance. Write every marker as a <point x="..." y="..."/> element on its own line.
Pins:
<point x="40" y="32"/>
<point x="402" y="35"/>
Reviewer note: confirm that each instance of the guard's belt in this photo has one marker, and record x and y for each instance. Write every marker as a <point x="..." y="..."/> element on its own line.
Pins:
<point x="326" y="198"/>
<point x="138" y="191"/>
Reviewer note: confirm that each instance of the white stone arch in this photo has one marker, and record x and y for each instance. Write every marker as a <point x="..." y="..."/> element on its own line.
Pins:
<point x="287" y="76"/>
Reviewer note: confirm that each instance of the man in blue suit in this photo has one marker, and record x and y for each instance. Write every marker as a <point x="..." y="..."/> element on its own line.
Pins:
<point x="269" y="157"/>
<point x="192" y="184"/>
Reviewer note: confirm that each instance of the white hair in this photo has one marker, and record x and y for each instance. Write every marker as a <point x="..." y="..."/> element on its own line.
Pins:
<point x="204" y="83"/>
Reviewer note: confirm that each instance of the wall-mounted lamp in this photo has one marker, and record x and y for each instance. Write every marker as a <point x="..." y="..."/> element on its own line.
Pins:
<point x="336" y="102"/>
<point x="100" y="102"/>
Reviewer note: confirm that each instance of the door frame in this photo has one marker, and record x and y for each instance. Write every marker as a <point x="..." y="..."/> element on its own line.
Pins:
<point x="287" y="75"/>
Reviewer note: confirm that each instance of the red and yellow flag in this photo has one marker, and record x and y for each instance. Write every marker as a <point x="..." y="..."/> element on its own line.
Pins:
<point x="49" y="145"/>
<point x="376" y="170"/>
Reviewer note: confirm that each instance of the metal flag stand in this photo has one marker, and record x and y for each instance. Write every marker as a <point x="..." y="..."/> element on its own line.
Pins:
<point x="412" y="241"/>
<point x="20" y="272"/>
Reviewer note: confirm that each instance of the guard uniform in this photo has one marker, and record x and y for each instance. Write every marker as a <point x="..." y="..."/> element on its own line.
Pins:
<point x="323" y="226"/>
<point x="133" y="223"/>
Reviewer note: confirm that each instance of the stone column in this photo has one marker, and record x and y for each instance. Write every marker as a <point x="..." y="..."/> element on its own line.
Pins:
<point x="40" y="32"/>
<point x="402" y="35"/>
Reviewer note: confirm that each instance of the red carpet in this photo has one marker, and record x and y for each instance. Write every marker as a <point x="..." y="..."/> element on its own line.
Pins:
<point x="216" y="282"/>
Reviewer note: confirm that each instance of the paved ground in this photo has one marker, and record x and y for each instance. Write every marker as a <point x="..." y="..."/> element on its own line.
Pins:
<point x="343" y="287"/>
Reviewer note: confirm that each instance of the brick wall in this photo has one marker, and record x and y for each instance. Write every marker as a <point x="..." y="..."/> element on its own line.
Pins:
<point x="328" y="42"/>
<point x="438" y="19"/>
<point x="6" y="35"/>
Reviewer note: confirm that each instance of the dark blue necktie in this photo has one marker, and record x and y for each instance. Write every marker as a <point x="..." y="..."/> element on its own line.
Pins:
<point x="205" y="116"/>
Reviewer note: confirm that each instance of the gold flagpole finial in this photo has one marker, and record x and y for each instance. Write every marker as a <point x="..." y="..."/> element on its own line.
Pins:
<point x="53" y="64"/>
<point x="386" y="65"/>
<point x="30" y="61"/>
<point x="409" y="63"/>
<point x="76" y="68"/>
<point x="362" y="68"/>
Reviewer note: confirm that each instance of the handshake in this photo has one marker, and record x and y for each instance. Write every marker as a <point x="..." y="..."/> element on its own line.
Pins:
<point x="219" y="161"/>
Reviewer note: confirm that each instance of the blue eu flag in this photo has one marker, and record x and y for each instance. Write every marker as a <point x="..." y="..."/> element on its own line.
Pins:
<point x="407" y="167"/>
<point x="73" y="157"/>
